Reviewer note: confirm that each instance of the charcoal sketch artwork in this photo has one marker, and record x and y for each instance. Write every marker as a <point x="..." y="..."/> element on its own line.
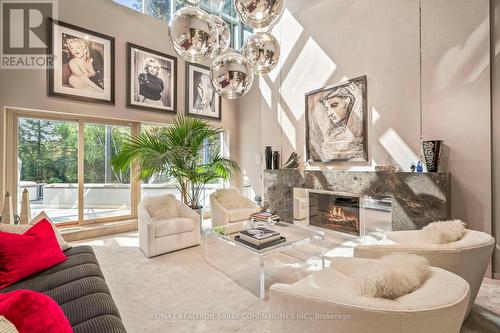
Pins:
<point x="336" y="122"/>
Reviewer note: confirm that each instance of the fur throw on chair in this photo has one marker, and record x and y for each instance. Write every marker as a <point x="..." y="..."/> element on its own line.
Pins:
<point x="442" y="232"/>
<point x="392" y="276"/>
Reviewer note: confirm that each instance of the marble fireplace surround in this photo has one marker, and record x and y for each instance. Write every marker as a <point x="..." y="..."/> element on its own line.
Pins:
<point x="417" y="198"/>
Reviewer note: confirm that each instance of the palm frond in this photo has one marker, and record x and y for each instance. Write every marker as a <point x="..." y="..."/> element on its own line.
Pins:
<point x="175" y="152"/>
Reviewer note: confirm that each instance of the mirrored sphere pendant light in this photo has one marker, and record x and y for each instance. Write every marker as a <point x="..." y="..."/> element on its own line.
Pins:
<point x="197" y="36"/>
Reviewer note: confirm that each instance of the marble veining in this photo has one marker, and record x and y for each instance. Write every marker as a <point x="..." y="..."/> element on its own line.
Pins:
<point x="417" y="198"/>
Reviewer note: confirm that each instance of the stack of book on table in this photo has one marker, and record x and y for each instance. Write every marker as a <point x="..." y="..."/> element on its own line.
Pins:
<point x="265" y="216"/>
<point x="259" y="238"/>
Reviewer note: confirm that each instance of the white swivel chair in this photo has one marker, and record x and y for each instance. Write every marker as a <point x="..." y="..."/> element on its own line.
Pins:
<point x="468" y="257"/>
<point x="231" y="209"/>
<point x="166" y="225"/>
<point x="328" y="302"/>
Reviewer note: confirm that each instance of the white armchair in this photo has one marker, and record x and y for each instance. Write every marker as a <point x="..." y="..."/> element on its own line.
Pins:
<point x="166" y="225"/>
<point x="328" y="302"/>
<point x="231" y="209"/>
<point x="468" y="257"/>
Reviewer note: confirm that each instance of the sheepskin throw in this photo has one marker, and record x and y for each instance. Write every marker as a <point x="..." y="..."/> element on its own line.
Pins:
<point x="392" y="276"/>
<point x="442" y="232"/>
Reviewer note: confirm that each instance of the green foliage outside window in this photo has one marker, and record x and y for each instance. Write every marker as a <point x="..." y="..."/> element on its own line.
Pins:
<point x="48" y="152"/>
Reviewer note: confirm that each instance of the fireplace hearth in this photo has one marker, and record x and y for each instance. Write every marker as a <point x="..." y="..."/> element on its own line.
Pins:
<point x="335" y="211"/>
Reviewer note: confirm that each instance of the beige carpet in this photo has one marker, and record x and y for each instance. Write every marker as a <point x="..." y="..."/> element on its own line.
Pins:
<point x="179" y="292"/>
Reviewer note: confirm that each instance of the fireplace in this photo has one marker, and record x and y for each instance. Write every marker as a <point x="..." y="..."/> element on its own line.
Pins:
<point x="335" y="211"/>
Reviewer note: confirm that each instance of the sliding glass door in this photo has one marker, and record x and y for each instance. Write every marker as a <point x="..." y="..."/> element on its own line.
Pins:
<point x="106" y="191"/>
<point x="48" y="167"/>
<point x="65" y="166"/>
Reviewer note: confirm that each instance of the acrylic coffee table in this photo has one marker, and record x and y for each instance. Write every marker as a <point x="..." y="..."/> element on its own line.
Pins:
<point x="248" y="267"/>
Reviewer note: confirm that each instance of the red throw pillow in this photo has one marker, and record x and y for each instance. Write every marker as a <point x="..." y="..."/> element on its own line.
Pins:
<point x="29" y="253"/>
<point x="33" y="312"/>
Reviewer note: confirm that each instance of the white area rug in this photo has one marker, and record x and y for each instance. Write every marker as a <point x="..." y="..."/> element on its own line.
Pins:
<point x="179" y="292"/>
<point x="173" y="292"/>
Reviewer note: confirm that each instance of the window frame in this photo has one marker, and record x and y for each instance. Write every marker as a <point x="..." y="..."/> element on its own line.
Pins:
<point x="235" y="25"/>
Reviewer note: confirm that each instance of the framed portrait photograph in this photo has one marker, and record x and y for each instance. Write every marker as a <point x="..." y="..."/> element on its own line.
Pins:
<point x="336" y="122"/>
<point x="84" y="64"/>
<point x="151" y="80"/>
<point x="201" y="99"/>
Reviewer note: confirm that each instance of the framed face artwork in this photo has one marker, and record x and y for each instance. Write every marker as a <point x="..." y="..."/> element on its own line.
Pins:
<point x="83" y="68"/>
<point x="336" y="122"/>
<point x="201" y="99"/>
<point x="151" y="80"/>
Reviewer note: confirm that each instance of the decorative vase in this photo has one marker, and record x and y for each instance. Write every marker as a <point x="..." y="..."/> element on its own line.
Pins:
<point x="276" y="160"/>
<point x="7" y="213"/>
<point x="25" y="215"/>
<point x="269" y="157"/>
<point x="431" y="150"/>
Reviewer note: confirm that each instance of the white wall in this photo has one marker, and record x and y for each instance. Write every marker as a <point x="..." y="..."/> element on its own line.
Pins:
<point x="324" y="42"/>
<point x="495" y="46"/>
<point x="27" y="88"/>
<point x="327" y="41"/>
<point x="456" y="100"/>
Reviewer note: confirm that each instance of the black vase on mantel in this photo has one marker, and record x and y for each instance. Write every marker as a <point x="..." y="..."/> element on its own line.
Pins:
<point x="276" y="160"/>
<point x="431" y="150"/>
<point x="269" y="157"/>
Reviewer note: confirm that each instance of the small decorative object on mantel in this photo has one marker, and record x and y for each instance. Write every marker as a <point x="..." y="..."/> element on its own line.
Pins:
<point x="292" y="162"/>
<point x="7" y="212"/>
<point x="276" y="160"/>
<point x="420" y="167"/>
<point x="431" y="150"/>
<point x="417" y="167"/>
<point x="269" y="157"/>
<point x="25" y="215"/>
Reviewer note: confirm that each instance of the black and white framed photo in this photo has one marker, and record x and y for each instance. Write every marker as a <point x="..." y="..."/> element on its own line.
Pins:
<point x="336" y="122"/>
<point x="151" y="80"/>
<point x="84" y="64"/>
<point x="201" y="99"/>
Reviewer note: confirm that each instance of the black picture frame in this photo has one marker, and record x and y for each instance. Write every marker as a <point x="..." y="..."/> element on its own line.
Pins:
<point x="129" y="104"/>
<point x="51" y="90"/>
<point x="364" y="93"/>
<point x="189" y="91"/>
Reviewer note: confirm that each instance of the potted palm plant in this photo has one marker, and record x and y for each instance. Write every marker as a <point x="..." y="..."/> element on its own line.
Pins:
<point x="176" y="152"/>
